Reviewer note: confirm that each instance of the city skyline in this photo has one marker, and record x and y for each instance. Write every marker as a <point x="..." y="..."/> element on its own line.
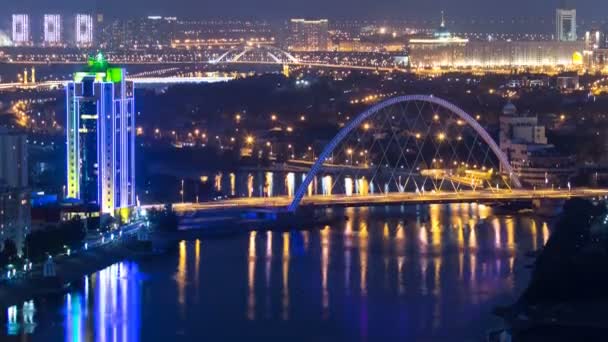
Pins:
<point x="357" y="9"/>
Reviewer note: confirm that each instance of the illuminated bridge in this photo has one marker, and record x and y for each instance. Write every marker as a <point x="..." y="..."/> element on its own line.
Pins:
<point x="137" y="80"/>
<point x="268" y="54"/>
<point x="408" y="149"/>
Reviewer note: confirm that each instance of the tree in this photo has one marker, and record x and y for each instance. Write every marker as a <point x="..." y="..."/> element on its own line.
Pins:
<point x="9" y="252"/>
<point x="164" y="220"/>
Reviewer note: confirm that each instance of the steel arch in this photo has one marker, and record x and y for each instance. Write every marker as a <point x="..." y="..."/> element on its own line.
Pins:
<point x="357" y="121"/>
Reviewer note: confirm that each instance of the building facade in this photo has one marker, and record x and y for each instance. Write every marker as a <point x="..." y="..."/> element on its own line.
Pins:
<point x="84" y="30"/>
<point x="444" y="49"/>
<point x="14" y="192"/>
<point x="535" y="162"/>
<point x="52" y="29"/>
<point x="21" y="30"/>
<point x="13" y="164"/>
<point x="308" y="35"/>
<point x="101" y="137"/>
<point x="565" y="25"/>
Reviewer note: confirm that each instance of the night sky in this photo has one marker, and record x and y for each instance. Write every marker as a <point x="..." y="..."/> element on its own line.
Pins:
<point x="277" y="9"/>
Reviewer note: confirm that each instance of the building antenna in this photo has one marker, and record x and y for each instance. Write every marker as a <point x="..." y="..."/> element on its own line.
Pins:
<point x="442" y="20"/>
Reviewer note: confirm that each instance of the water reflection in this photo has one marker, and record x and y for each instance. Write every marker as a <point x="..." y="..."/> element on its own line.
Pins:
<point x="251" y="277"/>
<point x="325" y="247"/>
<point x="285" y="288"/>
<point x="411" y="272"/>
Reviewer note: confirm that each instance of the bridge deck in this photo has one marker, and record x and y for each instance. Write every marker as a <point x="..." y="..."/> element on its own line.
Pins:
<point x="392" y="198"/>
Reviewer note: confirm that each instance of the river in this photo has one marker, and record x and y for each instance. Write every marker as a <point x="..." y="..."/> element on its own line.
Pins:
<point x="396" y="273"/>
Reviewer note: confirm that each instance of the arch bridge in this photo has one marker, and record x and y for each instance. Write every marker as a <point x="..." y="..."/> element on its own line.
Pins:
<point x="408" y="149"/>
<point x="413" y="143"/>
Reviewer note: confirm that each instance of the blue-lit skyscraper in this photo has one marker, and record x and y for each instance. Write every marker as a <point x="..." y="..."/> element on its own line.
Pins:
<point x="101" y="137"/>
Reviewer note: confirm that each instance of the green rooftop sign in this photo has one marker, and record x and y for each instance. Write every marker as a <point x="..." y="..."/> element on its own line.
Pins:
<point x="99" y="67"/>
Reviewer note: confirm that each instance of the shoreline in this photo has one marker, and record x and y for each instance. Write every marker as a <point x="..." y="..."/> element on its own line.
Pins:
<point x="69" y="269"/>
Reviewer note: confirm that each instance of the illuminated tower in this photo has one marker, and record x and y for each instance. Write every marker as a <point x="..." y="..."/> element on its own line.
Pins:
<point x="101" y="137"/>
<point x="565" y="22"/>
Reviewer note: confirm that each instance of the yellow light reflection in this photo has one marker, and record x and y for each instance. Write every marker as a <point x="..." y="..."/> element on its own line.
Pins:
<point x="545" y="233"/>
<point x="285" y="297"/>
<point x="510" y="223"/>
<point x="435" y="216"/>
<point x="181" y="276"/>
<point x="385" y="232"/>
<point x="401" y="283"/>
<point x="325" y="244"/>
<point x="496" y="227"/>
<point x="251" y="277"/>
<point x="534" y="232"/>
<point x="268" y="257"/>
<point x="363" y="241"/>
<point x="197" y="262"/>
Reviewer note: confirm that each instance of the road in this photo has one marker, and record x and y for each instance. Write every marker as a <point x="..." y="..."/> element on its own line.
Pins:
<point x="393" y="198"/>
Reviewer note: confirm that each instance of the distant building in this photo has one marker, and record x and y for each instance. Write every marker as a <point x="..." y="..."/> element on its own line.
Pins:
<point x="101" y="138"/>
<point x="443" y="49"/>
<point x="568" y="82"/>
<point x="308" y="35"/>
<point x="565" y="25"/>
<point x="14" y="198"/>
<point x="596" y="48"/>
<point x="13" y="164"/>
<point x="21" y="29"/>
<point x="52" y="29"/>
<point x="84" y="30"/>
<point x="356" y="45"/>
<point x="140" y="33"/>
<point x="534" y="161"/>
<point x="216" y="34"/>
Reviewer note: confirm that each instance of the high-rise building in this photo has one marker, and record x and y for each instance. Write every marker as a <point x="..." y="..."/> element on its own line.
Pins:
<point x="309" y="35"/>
<point x="21" y="29"/>
<point x="101" y="137"/>
<point x="52" y="29"/>
<point x="565" y="22"/>
<point x="84" y="29"/>
<point x="13" y="164"/>
<point x="14" y="193"/>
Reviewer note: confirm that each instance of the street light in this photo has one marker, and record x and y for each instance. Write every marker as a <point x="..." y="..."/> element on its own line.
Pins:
<point x="350" y="154"/>
<point x="249" y="139"/>
<point x="441" y="136"/>
<point x="269" y="146"/>
<point x="182" y="191"/>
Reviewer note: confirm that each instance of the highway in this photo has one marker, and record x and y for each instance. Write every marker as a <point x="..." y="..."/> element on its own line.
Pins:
<point x="392" y="198"/>
<point x="136" y="80"/>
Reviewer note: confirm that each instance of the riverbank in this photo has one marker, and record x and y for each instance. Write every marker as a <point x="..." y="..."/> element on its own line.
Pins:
<point x="566" y="293"/>
<point x="70" y="269"/>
